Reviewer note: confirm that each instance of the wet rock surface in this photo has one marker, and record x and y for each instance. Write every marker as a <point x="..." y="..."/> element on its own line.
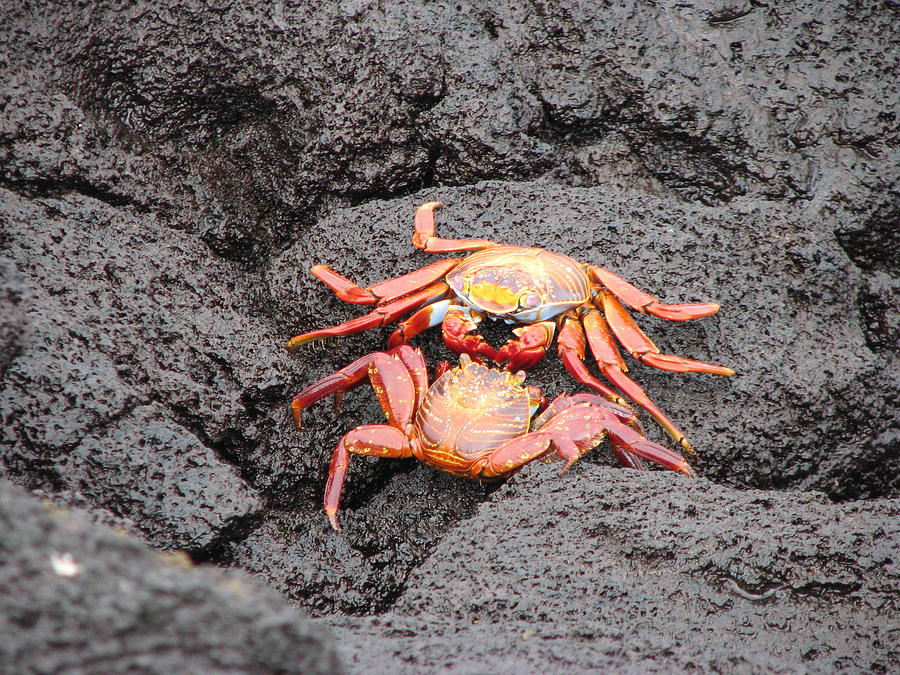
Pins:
<point x="168" y="176"/>
<point x="82" y="598"/>
<point x="626" y="572"/>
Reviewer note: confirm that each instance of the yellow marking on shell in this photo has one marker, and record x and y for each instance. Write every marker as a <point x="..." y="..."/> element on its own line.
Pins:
<point x="493" y="293"/>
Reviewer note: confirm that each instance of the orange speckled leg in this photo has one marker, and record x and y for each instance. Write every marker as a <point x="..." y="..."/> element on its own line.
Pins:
<point x="571" y="346"/>
<point x="380" y="316"/>
<point x="606" y="353"/>
<point x="384" y="291"/>
<point x="374" y="440"/>
<point x="514" y="454"/>
<point x="643" y="302"/>
<point x="642" y="348"/>
<point x="423" y="236"/>
<point x="404" y="366"/>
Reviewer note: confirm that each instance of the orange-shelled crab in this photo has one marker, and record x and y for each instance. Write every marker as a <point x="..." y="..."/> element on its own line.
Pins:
<point x="549" y="293"/>
<point x="474" y="421"/>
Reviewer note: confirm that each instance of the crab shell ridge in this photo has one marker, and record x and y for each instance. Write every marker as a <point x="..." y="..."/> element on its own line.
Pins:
<point x="467" y="412"/>
<point x="520" y="284"/>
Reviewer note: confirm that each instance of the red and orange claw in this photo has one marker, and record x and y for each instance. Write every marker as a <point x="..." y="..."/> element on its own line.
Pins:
<point x="459" y="336"/>
<point x="528" y="347"/>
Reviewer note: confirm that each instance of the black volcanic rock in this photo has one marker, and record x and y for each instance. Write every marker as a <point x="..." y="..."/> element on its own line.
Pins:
<point x="82" y="598"/>
<point x="627" y="572"/>
<point x="169" y="174"/>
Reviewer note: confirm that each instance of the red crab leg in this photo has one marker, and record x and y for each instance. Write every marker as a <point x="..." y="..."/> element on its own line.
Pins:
<point x="571" y="351"/>
<point x="564" y="401"/>
<point x="414" y="375"/>
<point x="400" y="380"/>
<point x="603" y="347"/>
<point x="528" y="347"/>
<point x="512" y="455"/>
<point x="643" y="302"/>
<point x="581" y="423"/>
<point x="642" y="348"/>
<point x="415" y="365"/>
<point x="423" y="319"/>
<point x="375" y="440"/>
<point x="457" y="328"/>
<point x="337" y="383"/>
<point x="384" y="291"/>
<point x="380" y="316"/>
<point x="647" y="449"/>
<point x="424" y="238"/>
<point x="394" y="388"/>
<point x="572" y="433"/>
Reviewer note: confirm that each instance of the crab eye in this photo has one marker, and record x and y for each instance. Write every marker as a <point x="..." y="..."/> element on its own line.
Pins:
<point x="529" y="300"/>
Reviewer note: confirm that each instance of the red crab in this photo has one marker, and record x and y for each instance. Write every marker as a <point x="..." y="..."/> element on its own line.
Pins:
<point x="473" y="421"/>
<point x="547" y="292"/>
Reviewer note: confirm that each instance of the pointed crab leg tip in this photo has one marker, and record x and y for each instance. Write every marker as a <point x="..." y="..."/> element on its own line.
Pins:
<point x="566" y="467"/>
<point x="711" y="369"/>
<point x="332" y="518"/>
<point x="682" y="312"/>
<point x="293" y="344"/>
<point x="299" y="341"/>
<point x="688" y="471"/>
<point x="688" y="449"/>
<point x="704" y="309"/>
<point x="297" y="417"/>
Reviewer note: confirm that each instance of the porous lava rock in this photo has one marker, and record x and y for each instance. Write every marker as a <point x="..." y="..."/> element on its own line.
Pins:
<point x="169" y="174"/>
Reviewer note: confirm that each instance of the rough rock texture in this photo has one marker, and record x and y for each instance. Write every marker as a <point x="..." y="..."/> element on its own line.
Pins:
<point x="81" y="598"/>
<point x="620" y="571"/>
<point x="168" y="175"/>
